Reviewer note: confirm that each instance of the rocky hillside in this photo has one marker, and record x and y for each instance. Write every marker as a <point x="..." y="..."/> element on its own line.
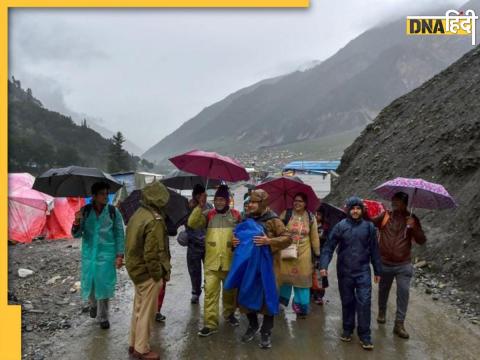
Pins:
<point x="39" y="139"/>
<point x="342" y="93"/>
<point x="432" y="133"/>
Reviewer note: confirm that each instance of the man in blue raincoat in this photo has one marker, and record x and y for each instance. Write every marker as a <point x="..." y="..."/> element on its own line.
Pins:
<point x="103" y="240"/>
<point x="357" y="244"/>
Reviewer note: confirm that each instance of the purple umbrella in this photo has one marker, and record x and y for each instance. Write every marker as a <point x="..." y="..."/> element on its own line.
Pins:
<point x="422" y="194"/>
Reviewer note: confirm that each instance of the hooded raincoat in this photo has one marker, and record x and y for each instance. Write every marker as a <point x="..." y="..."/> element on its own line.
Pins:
<point x="147" y="250"/>
<point x="103" y="238"/>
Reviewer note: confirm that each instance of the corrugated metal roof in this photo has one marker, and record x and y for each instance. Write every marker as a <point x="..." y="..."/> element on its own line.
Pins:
<point x="313" y="165"/>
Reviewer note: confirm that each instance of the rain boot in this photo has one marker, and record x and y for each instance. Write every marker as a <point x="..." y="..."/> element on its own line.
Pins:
<point x="399" y="330"/>
<point x="381" y="317"/>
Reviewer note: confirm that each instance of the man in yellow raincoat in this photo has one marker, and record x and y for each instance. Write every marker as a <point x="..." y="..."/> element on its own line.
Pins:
<point x="103" y="240"/>
<point x="219" y="224"/>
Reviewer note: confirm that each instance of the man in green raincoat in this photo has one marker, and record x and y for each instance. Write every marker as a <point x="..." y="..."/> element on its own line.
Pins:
<point x="103" y="240"/>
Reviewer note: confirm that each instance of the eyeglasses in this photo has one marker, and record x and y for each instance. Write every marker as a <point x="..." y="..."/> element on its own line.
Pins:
<point x="298" y="201"/>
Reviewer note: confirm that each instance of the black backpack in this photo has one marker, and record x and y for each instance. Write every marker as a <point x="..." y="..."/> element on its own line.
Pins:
<point x="288" y="216"/>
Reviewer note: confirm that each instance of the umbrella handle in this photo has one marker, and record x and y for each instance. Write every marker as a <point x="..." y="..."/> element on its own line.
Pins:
<point x="411" y="212"/>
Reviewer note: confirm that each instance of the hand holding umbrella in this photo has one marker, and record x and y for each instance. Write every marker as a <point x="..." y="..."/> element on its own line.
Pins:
<point x="421" y="194"/>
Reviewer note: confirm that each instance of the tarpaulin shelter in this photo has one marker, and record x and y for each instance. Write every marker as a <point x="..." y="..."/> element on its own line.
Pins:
<point x="27" y="208"/>
<point x="131" y="181"/>
<point x="59" y="222"/>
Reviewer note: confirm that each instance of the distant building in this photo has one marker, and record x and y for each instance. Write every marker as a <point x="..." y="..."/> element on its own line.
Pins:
<point x="317" y="174"/>
<point x="312" y="167"/>
<point x="133" y="180"/>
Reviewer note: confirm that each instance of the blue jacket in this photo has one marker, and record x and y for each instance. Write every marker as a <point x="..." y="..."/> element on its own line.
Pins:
<point x="357" y="247"/>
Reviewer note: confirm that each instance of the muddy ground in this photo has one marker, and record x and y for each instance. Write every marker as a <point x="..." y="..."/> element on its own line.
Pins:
<point x="55" y="327"/>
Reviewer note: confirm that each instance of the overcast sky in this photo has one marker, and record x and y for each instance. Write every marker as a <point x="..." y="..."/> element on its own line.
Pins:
<point x="145" y="72"/>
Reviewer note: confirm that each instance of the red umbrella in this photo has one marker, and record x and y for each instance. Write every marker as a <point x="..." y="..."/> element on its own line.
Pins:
<point x="210" y="165"/>
<point x="282" y="191"/>
<point x="373" y="208"/>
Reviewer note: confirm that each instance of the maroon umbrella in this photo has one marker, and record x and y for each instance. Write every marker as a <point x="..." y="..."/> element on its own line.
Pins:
<point x="283" y="189"/>
<point x="210" y="165"/>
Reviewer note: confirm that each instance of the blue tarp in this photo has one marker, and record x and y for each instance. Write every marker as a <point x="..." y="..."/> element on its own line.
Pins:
<point x="252" y="271"/>
<point x="312" y="166"/>
<point x="88" y="200"/>
<point x="127" y="179"/>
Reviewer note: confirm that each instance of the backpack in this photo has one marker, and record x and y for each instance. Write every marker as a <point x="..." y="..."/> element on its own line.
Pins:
<point x="288" y="216"/>
<point x="88" y="208"/>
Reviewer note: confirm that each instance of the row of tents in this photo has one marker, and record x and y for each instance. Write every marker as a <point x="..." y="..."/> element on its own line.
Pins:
<point x="33" y="214"/>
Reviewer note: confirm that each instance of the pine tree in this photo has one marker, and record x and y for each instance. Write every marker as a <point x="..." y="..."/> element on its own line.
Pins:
<point x="118" y="159"/>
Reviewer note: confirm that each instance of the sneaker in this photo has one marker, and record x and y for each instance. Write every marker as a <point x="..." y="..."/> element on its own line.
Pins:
<point x="347" y="337"/>
<point x="105" y="325"/>
<point x="159" y="317"/>
<point x="194" y="299"/>
<point x="366" y="344"/>
<point x="265" y="341"/>
<point x="207" y="332"/>
<point x="249" y="334"/>
<point x="93" y="312"/>
<point x="233" y="321"/>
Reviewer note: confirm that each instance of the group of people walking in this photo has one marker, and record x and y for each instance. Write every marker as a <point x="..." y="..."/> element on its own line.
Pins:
<point x="300" y="243"/>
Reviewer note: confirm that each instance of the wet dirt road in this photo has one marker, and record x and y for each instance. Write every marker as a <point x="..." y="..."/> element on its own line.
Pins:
<point x="435" y="332"/>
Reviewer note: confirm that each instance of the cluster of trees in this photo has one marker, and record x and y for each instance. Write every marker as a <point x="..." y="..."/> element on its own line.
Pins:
<point x="39" y="139"/>
<point x="119" y="160"/>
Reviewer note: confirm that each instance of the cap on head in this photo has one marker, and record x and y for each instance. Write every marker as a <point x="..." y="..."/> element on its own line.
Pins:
<point x="223" y="192"/>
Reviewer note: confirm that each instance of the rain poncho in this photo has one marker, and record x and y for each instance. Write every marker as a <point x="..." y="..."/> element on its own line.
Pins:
<point x="252" y="270"/>
<point x="103" y="239"/>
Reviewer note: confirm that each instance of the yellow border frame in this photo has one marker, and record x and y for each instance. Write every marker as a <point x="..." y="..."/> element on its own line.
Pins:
<point x="10" y="316"/>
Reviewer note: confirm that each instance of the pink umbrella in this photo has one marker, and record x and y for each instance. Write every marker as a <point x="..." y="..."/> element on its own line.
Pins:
<point x="210" y="165"/>
<point x="283" y="189"/>
<point x="421" y="193"/>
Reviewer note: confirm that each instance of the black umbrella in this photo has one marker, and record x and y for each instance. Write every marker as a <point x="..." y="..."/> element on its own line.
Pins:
<point x="331" y="214"/>
<point x="73" y="181"/>
<point x="182" y="180"/>
<point x="176" y="209"/>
